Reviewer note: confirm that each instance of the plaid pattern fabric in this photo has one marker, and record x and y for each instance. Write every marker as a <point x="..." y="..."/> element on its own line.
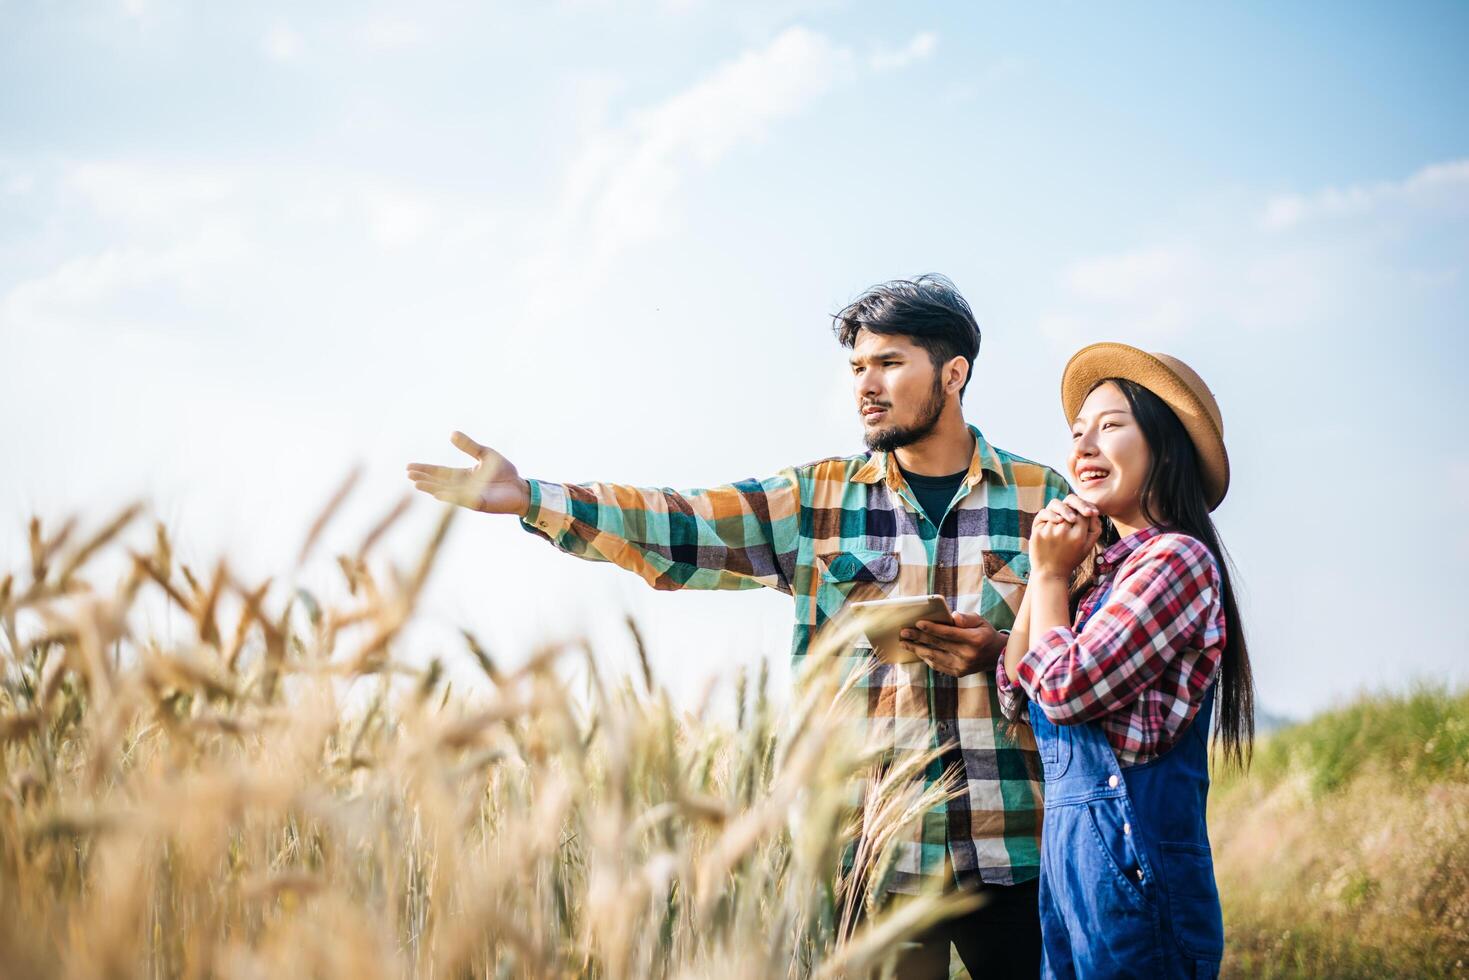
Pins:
<point x="846" y="529"/>
<point x="1143" y="660"/>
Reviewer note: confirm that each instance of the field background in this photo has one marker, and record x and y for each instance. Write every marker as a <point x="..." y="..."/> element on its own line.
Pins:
<point x="283" y="788"/>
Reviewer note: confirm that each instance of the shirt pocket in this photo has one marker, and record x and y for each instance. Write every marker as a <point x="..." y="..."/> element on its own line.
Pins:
<point x="1005" y="575"/>
<point x="857" y="575"/>
<point x="1007" y="567"/>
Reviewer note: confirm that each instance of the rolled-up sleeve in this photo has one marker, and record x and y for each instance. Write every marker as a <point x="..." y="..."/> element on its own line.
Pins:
<point x="1012" y="695"/>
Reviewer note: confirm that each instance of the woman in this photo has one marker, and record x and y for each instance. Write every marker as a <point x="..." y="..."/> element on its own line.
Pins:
<point x="1127" y="640"/>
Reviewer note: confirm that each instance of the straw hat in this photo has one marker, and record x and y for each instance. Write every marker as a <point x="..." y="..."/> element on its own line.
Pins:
<point x="1171" y="380"/>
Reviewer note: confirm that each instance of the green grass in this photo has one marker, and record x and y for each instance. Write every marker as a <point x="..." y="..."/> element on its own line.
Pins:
<point x="1418" y="738"/>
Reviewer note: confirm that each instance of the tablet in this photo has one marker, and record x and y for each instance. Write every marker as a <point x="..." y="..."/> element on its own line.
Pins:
<point x="883" y="619"/>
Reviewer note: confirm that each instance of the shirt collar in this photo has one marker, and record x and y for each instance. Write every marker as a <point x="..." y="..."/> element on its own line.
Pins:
<point x="984" y="459"/>
<point x="1117" y="551"/>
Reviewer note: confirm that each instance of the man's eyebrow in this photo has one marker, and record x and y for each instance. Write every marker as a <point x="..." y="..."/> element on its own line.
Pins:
<point x="882" y="355"/>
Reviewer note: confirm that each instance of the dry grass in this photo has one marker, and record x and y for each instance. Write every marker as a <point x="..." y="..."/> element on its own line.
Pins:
<point x="281" y="795"/>
<point x="1345" y="853"/>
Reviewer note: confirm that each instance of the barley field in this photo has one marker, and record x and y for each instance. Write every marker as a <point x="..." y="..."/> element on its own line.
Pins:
<point x="281" y="790"/>
<point x="284" y="795"/>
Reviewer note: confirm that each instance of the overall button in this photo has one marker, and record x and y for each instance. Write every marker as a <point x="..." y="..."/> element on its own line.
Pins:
<point x="1126" y="828"/>
<point x="1139" y="874"/>
<point x="1112" y="780"/>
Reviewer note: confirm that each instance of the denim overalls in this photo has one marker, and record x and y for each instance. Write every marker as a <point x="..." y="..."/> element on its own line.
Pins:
<point x="1127" y="879"/>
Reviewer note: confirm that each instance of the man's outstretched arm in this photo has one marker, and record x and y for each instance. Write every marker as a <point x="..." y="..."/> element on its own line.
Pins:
<point x="737" y="536"/>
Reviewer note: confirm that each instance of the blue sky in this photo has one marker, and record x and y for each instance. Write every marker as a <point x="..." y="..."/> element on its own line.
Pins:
<point x="243" y="247"/>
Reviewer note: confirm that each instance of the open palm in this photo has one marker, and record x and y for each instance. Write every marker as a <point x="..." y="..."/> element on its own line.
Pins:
<point x="491" y="485"/>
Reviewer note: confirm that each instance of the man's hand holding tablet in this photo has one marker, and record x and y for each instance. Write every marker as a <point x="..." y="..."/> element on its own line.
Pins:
<point x="912" y="628"/>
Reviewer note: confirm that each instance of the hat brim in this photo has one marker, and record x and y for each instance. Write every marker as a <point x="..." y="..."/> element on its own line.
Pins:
<point x="1111" y="360"/>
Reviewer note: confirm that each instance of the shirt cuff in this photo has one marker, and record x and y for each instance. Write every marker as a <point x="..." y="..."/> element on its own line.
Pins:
<point x="548" y="513"/>
<point x="1012" y="698"/>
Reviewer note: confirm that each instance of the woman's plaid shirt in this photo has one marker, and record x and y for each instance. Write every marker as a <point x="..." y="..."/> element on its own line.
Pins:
<point x="847" y="529"/>
<point x="1143" y="661"/>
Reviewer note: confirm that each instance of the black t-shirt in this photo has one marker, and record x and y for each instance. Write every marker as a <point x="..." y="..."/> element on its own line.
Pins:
<point x="935" y="493"/>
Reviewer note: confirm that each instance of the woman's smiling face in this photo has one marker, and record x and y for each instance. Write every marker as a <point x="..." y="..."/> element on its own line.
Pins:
<point x="1110" y="456"/>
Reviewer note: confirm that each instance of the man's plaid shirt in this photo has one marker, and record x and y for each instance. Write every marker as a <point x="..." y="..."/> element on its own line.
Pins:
<point x="846" y="529"/>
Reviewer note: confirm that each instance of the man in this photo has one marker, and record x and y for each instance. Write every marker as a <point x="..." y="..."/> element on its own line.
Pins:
<point x="931" y="508"/>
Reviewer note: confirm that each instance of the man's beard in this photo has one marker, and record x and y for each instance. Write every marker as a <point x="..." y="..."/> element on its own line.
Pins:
<point x="897" y="436"/>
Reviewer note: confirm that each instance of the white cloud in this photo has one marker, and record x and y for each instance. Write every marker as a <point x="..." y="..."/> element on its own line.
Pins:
<point x="742" y="97"/>
<point x="1439" y="186"/>
<point x="87" y="292"/>
<point x="917" y="49"/>
<point x="1272" y="273"/>
<point x="168" y="246"/>
<point x="621" y="188"/>
<point x="281" y="43"/>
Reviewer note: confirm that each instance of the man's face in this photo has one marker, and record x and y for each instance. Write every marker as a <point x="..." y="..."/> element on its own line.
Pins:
<point x="899" y="391"/>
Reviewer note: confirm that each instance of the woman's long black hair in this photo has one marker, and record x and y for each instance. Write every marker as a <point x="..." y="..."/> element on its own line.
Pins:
<point x="1173" y="497"/>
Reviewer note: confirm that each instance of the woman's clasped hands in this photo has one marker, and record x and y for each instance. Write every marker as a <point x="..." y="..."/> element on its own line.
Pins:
<point x="1063" y="535"/>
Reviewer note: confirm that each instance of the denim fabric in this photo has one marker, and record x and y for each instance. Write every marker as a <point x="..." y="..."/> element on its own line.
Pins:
<point x="1127" y="879"/>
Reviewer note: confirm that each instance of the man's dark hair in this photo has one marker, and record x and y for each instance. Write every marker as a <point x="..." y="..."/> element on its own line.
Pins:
<point x="929" y="309"/>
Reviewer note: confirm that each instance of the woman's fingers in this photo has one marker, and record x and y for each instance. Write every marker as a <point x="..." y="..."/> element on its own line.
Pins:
<point x="1070" y="510"/>
<point x="1061" y="512"/>
<point x="1081" y="529"/>
<point x="1053" y="512"/>
<point x="1083" y="507"/>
